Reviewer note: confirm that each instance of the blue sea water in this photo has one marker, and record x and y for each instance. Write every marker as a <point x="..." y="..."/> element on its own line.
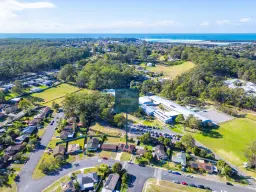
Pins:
<point x="232" y="37"/>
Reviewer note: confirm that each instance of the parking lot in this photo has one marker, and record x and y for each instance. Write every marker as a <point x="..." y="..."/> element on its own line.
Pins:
<point x="216" y="116"/>
<point x="154" y="132"/>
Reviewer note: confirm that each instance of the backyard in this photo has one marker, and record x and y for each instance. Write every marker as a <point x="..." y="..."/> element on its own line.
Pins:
<point x="172" y="71"/>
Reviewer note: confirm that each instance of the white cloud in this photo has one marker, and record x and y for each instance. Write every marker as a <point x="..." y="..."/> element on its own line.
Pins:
<point x="205" y="23"/>
<point x="245" y="20"/>
<point x="223" y="22"/>
<point x="8" y="8"/>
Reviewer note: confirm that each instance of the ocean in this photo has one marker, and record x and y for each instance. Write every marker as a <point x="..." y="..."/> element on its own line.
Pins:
<point x="179" y="37"/>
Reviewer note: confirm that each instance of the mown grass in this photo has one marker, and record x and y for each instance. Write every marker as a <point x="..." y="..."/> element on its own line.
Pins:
<point x="172" y="71"/>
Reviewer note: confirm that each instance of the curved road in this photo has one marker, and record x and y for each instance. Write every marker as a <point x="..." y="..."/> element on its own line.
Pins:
<point x="140" y="174"/>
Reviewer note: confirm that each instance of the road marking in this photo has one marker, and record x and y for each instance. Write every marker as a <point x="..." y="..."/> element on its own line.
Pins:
<point x="99" y="160"/>
<point x="125" y="165"/>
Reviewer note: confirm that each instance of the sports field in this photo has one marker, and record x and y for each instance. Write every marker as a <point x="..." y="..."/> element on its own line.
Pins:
<point x="172" y="71"/>
<point x="230" y="139"/>
<point x="54" y="94"/>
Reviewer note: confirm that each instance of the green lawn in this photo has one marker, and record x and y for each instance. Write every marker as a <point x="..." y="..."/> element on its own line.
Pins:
<point x="154" y="122"/>
<point x="108" y="154"/>
<point x="230" y="139"/>
<point x="79" y="141"/>
<point x="125" y="156"/>
<point x="54" y="93"/>
<point x="151" y="186"/>
<point x="172" y="71"/>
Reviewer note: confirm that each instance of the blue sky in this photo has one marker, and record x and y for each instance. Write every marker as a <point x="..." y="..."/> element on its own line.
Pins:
<point x="133" y="16"/>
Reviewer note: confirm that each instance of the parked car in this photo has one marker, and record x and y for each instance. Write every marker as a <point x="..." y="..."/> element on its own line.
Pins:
<point x="175" y="181"/>
<point x="52" y="122"/>
<point x="105" y="158"/>
<point x="169" y="171"/>
<point x="228" y="183"/>
<point x="192" y="185"/>
<point x="201" y="186"/>
<point x="184" y="183"/>
<point x="208" y="188"/>
<point x="176" y="173"/>
<point x="190" y="176"/>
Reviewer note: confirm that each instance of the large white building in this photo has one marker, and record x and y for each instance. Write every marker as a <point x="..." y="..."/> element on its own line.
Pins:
<point x="148" y="102"/>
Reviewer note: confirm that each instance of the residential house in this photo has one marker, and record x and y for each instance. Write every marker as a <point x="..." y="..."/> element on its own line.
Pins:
<point x="68" y="187"/>
<point x="67" y="134"/>
<point x="19" y="140"/>
<point x="11" y="150"/>
<point x="180" y="158"/>
<point x="11" y="109"/>
<point x="92" y="144"/>
<point x="29" y="130"/>
<point x="208" y="167"/>
<point x="2" y="115"/>
<point x="87" y="181"/>
<point x="160" y="153"/>
<point x="59" y="150"/>
<point x="111" y="183"/>
<point x="35" y="122"/>
<point x="109" y="147"/>
<point x="126" y="148"/>
<point x="140" y="151"/>
<point x="35" y="90"/>
<point x="73" y="148"/>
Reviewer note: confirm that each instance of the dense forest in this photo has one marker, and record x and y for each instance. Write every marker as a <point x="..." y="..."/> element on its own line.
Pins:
<point x="17" y="57"/>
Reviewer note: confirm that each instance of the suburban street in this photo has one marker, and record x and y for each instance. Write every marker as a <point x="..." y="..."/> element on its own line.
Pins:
<point x="140" y="175"/>
<point x="26" y="173"/>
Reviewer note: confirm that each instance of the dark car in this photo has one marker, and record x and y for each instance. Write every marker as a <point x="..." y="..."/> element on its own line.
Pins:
<point x="142" y="165"/>
<point x="52" y="122"/>
<point x="201" y="186"/>
<point x="228" y="183"/>
<point x="105" y="158"/>
<point x="192" y="185"/>
<point x="208" y="188"/>
<point x="176" y="173"/>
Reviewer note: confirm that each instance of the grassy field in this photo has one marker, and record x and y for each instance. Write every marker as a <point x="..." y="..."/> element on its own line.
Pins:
<point x="230" y="139"/>
<point x="53" y="93"/>
<point x="163" y="186"/>
<point x="78" y="141"/>
<point x="125" y="156"/>
<point x="106" y="130"/>
<point x="172" y="71"/>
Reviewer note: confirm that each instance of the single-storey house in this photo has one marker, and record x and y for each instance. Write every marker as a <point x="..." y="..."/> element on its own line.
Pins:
<point x="140" y="151"/>
<point x="35" y="122"/>
<point x="208" y="167"/>
<point x="29" y="130"/>
<point x="11" y="150"/>
<point x="111" y="183"/>
<point x="87" y="181"/>
<point x="20" y="139"/>
<point x="59" y="150"/>
<point x="73" y="148"/>
<point x="126" y="148"/>
<point x="92" y="144"/>
<point x="109" y="147"/>
<point x="180" y="158"/>
<point x="67" y="134"/>
<point x="160" y="153"/>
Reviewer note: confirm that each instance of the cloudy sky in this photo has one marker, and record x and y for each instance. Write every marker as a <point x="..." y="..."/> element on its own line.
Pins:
<point x="127" y="16"/>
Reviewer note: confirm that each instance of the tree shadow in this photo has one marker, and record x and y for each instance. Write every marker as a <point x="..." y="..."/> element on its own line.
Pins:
<point x="132" y="180"/>
<point x="212" y="132"/>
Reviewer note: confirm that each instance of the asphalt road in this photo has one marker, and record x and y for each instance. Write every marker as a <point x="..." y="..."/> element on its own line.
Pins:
<point x="26" y="173"/>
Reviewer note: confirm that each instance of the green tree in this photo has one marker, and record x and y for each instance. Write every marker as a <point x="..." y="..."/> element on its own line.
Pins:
<point x="180" y="118"/>
<point x="117" y="167"/>
<point x="148" y="156"/>
<point x="67" y="73"/>
<point x="2" y="97"/>
<point x="188" y="141"/>
<point x="18" y="88"/>
<point x="250" y="154"/>
<point x="119" y="120"/>
<point x="103" y="169"/>
<point x="25" y="104"/>
<point x="145" y="138"/>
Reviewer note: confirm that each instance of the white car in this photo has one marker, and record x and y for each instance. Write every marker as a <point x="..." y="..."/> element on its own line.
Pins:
<point x="190" y="176"/>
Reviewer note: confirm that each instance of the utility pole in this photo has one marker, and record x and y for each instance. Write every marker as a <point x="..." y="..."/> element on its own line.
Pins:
<point x="126" y="130"/>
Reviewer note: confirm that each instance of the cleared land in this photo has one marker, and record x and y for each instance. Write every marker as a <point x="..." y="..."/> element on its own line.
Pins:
<point x="163" y="186"/>
<point x="54" y="93"/>
<point x="172" y="71"/>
